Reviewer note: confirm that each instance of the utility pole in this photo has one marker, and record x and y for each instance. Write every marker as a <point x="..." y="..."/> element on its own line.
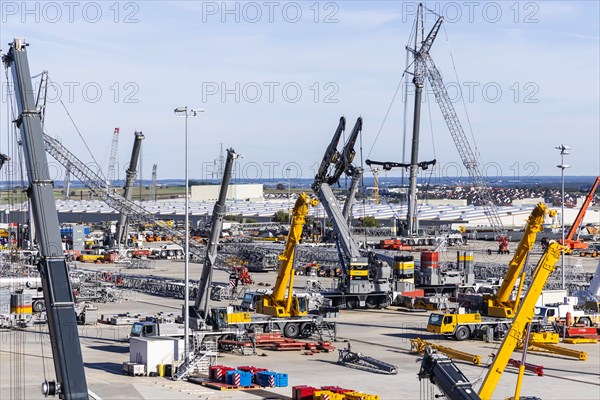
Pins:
<point x="288" y="169"/>
<point x="185" y="112"/>
<point x="376" y="184"/>
<point x="563" y="152"/>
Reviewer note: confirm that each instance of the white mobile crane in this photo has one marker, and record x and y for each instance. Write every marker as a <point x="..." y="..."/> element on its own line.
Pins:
<point x="203" y="320"/>
<point x="199" y="312"/>
<point x="365" y="281"/>
<point x="58" y="295"/>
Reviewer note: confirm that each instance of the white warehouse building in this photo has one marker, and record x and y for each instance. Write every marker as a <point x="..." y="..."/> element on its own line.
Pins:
<point x="244" y="192"/>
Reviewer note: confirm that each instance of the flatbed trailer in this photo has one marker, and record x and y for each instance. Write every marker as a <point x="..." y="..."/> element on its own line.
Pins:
<point x="292" y="327"/>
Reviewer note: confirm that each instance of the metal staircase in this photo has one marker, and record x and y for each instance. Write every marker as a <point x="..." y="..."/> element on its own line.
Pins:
<point x="201" y="358"/>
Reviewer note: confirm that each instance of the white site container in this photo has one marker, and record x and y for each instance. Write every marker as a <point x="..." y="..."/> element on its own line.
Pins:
<point x="551" y="296"/>
<point x="152" y="351"/>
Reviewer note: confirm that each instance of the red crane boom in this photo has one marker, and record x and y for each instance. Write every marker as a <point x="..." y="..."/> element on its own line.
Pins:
<point x="576" y="244"/>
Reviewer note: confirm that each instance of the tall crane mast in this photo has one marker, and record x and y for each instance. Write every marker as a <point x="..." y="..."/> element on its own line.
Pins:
<point x="356" y="174"/>
<point x="127" y="189"/>
<point x="110" y="176"/>
<point x="67" y="183"/>
<point x="344" y="164"/>
<point x="419" y="82"/>
<point x="424" y="68"/>
<point x="58" y="295"/>
<point x="331" y="156"/>
<point x="376" y="185"/>
<point x="199" y="311"/>
<point x="154" y="183"/>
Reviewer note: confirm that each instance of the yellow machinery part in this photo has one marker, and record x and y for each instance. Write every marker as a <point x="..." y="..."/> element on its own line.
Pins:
<point x="579" y="340"/>
<point x="22" y="309"/>
<point x="238" y="317"/>
<point x="544" y="337"/>
<point x="580" y="355"/>
<point x="418" y="345"/>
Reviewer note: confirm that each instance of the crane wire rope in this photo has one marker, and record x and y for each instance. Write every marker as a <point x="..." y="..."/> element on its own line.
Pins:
<point x="14" y="142"/>
<point x="392" y="101"/>
<point x="362" y="184"/>
<point x="80" y="135"/>
<point x="458" y="82"/>
<point x="434" y="152"/>
<point x="16" y="340"/>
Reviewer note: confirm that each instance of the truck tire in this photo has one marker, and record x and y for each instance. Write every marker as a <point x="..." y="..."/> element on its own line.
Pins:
<point x="351" y="304"/>
<point x="462" y="333"/>
<point x="306" y="329"/>
<point x="291" y="330"/>
<point x="469" y="290"/>
<point x="39" y="306"/>
<point x="585" y="321"/>
<point x="371" y="303"/>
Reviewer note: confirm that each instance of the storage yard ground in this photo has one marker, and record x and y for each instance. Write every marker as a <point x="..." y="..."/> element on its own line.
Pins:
<point x="382" y="334"/>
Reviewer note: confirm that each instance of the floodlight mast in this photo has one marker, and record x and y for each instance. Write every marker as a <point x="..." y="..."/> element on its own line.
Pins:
<point x="186" y="112"/>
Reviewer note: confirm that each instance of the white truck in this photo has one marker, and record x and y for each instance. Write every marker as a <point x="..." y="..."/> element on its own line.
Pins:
<point x="169" y="251"/>
<point x="558" y="312"/>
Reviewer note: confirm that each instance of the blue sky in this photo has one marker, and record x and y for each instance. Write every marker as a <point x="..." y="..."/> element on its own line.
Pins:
<point x="274" y="78"/>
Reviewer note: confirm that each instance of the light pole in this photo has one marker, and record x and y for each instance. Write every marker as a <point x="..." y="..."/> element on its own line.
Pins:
<point x="288" y="169"/>
<point x="185" y="112"/>
<point x="563" y="152"/>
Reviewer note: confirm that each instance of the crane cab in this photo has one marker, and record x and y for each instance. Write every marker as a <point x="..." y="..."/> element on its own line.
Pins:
<point x="297" y="307"/>
<point x="358" y="269"/>
<point x="223" y="317"/>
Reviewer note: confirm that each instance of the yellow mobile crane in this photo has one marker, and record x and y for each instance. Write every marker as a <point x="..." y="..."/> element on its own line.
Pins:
<point x="282" y="302"/>
<point x="500" y="305"/>
<point x="442" y="371"/>
<point x="524" y="316"/>
<point x="498" y="308"/>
